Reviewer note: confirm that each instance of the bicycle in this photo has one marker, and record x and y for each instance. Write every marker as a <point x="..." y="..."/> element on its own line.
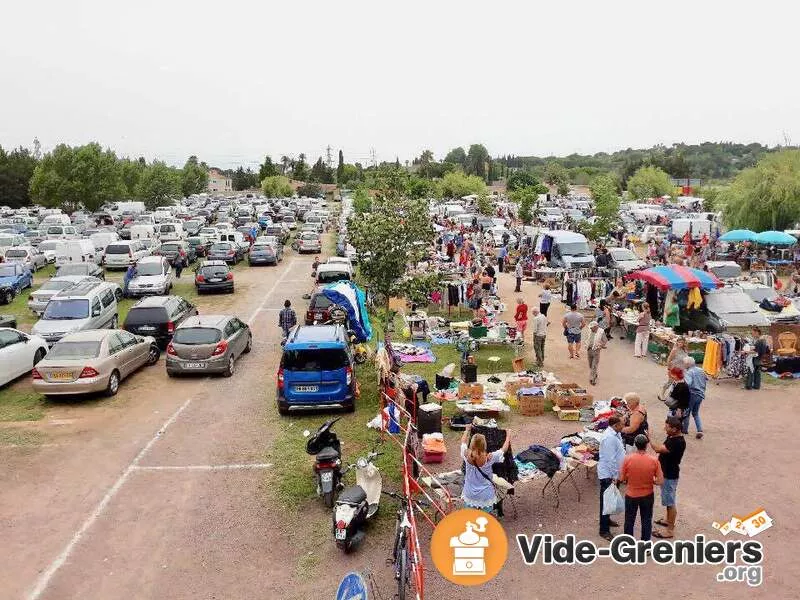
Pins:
<point x="402" y="555"/>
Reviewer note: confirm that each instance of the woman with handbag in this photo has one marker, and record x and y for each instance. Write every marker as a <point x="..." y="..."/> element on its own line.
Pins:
<point x="675" y="393"/>
<point x="479" y="491"/>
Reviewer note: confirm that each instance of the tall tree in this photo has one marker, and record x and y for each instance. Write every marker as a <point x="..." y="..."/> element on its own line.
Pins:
<point x="276" y="186"/>
<point x="606" y="204"/>
<point x="194" y="178"/>
<point x="340" y="169"/>
<point x="521" y="179"/>
<point x="477" y="159"/>
<point x="320" y="173"/>
<point x="557" y="175"/>
<point x="70" y="177"/>
<point x="425" y="161"/>
<point x="362" y="201"/>
<point x="159" y="185"/>
<point x="456" y="185"/>
<point x="267" y="169"/>
<point x="457" y="156"/>
<point x="131" y="172"/>
<point x="649" y="182"/>
<point x="285" y="163"/>
<point x="16" y="170"/>
<point x="300" y="168"/>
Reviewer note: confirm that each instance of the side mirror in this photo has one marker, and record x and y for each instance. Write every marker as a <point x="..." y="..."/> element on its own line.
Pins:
<point x="95" y="312"/>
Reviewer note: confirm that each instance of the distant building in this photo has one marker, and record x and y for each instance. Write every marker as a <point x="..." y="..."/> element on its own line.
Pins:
<point x="218" y="181"/>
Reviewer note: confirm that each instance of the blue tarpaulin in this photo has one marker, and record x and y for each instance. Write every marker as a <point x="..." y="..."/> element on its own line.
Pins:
<point x="351" y="298"/>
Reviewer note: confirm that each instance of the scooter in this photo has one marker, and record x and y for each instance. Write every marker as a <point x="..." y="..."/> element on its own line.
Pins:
<point x="326" y="449"/>
<point x="357" y="504"/>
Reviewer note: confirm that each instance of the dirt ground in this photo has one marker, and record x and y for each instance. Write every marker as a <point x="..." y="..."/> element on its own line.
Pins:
<point x="164" y="491"/>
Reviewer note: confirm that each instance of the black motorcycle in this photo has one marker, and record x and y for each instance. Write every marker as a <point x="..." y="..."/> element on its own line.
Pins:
<point x="326" y="449"/>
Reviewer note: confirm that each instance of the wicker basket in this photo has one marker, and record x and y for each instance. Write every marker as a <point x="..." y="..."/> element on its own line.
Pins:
<point x="531" y="406"/>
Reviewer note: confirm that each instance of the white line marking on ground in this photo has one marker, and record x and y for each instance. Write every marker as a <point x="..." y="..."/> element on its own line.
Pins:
<point x="47" y="576"/>
<point x="204" y="467"/>
<point x="44" y="579"/>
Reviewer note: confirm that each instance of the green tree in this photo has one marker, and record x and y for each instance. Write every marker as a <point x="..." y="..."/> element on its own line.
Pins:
<point x="350" y="175"/>
<point x="310" y="190"/>
<point x="425" y="164"/>
<point x="522" y="179"/>
<point x="484" y="204"/>
<point x="320" y="173"/>
<point x="242" y="179"/>
<point x="159" y="185"/>
<point x="767" y="196"/>
<point x="456" y="185"/>
<point x="340" y="169"/>
<point x="131" y="172"/>
<point x="528" y="200"/>
<point x="16" y="170"/>
<point x="300" y="168"/>
<point x="276" y="186"/>
<point x="419" y="187"/>
<point x="395" y="234"/>
<point x="477" y="159"/>
<point x="267" y="169"/>
<point x="70" y="177"/>
<point x="557" y="175"/>
<point x="712" y="197"/>
<point x="457" y="156"/>
<point x="649" y="182"/>
<point x="362" y="201"/>
<point x="606" y="204"/>
<point x="194" y="178"/>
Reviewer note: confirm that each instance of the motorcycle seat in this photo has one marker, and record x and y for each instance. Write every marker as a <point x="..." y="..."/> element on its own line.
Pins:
<point x="353" y="495"/>
<point x="327" y="454"/>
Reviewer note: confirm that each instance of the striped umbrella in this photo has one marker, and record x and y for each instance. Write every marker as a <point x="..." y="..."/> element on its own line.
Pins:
<point x="676" y="277"/>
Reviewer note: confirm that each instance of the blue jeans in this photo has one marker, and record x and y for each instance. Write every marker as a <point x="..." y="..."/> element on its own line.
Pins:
<point x="644" y="506"/>
<point x="693" y="411"/>
<point x="753" y="378"/>
<point x="605" y="520"/>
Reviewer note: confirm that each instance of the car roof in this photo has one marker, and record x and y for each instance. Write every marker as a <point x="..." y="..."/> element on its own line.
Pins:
<point x="150" y="259"/>
<point x="217" y="321"/>
<point x="565" y="236"/>
<point x="332" y="267"/>
<point x="316" y="336"/>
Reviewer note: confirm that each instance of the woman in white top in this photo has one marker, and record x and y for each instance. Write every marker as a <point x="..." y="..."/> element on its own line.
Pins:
<point x="545" y="297"/>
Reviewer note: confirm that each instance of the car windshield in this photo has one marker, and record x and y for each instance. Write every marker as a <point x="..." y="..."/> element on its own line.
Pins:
<point x="118" y="249"/>
<point x="309" y="236"/>
<point x="149" y="268"/>
<point x="169" y="247"/>
<point x="332" y="276"/>
<point x="74" y="350"/>
<point x="288" y="219"/>
<point x="54" y="230"/>
<point x="622" y="254"/>
<point x="151" y="314"/>
<point x="195" y="241"/>
<point x="55" y="285"/>
<point x="574" y="248"/>
<point x="330" y="359"/>
<point x="167" y="228"/>
<point x="220" y="247"/>
<point x="72" y="270"/>
<point x="193" y="336"/>
<point x="16" y="254"/>
<point x="66" y="309"/>
<point x="214" y="271"/>
<point x="261" y="248"/>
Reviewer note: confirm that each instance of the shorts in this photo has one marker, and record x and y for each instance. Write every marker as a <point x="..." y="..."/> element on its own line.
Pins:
<point x="669" y="492"/>
<point x="573" y="338"/>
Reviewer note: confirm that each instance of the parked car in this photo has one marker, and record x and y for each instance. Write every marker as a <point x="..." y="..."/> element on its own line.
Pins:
<point x="624" y="260"/>
<point x="309" y="242"/>
<point x="226" y="251"/>
<point x="208" y="344"/>
<point x="654" y="232"/>
<point x="318" y="308"/>
<point x="199" y="245"/>
<point x="171" y="250"/>
<point x="210" y="234"/>
<point x="88" y="269"/>
<point x="316" y="370"/>
<point x="214" y="276"/>
<point x="153" y="276"/>
<point x="27" y="256"/>
<point x="19" y="353"/>
<point x="158" y="316"/>
<point x="265" y="254"/>
<point x="14" y="278"/>
<point x="93" y="361"/>
<point x="86" y="305"/>
<point x="121" y="255"/>
<point x="37" y="301"/>
<point x="48" y="248"/>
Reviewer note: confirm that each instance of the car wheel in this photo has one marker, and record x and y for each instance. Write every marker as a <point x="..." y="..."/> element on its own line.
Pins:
<point x="231" y="368"/>
<point x="153" y="355"/>
<point x="38" y="356"/>
<point x="8" y="296"/>
<point x="249" y="345"/>
<point x="113" y="384"/>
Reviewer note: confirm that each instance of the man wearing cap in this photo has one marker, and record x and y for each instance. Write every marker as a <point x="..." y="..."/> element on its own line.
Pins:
<point x="641" y="472"/>
<point x="596" y="342"/>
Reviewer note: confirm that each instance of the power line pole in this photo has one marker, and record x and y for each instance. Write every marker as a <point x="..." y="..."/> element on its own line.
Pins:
<point x="373" y="157"/>
<point x="329" y="157"/>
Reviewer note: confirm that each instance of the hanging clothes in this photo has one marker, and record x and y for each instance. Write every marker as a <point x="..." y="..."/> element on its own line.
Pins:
<point x="695" y="299"/>
<point x="712" y="362"/>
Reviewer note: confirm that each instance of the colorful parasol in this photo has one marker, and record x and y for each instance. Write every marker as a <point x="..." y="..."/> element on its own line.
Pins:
<point x="677" y="277"/>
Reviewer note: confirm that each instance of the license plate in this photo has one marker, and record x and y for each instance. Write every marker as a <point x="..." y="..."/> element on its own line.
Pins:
<point x="341" y="534"/>
<point x="194" y="365"/>
<point x="61" y="375"/>
<point x="147" y="328"/>
<point x="215" y="280"/>
<point x="306" y="388"/>
<point x="327" y="476"/>
<point x="317" y="315"/>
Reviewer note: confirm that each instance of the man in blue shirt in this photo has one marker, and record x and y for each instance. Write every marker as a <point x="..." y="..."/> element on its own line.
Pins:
<point x="501" y="258"/>
<point x="612" y="453"/>
<point x="696" y="379"/>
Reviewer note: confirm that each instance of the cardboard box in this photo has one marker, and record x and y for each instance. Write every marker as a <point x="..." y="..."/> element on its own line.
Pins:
<point x="470" y="390"/>
<point x="513" y="385"/>
<point x="569" y="415"/>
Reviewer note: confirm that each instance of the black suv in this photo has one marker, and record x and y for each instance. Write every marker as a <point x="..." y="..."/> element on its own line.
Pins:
<point x="318" y="309"/>
<point x="158" y="316"/>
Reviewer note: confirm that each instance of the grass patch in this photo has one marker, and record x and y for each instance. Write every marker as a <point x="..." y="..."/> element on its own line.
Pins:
<point x="21" y="405"/>
<point x="10" y="436"/>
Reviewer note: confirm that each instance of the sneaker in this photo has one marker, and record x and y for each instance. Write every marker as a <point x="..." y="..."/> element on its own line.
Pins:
<point x="613" y="523"/>
<point x="699" y="435"/>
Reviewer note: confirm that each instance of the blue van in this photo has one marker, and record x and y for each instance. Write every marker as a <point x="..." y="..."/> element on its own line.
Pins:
<point x="316" y="371"/>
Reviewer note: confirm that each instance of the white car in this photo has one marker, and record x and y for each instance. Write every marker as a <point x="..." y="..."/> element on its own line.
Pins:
<point x="19" y="353"/>
<point x="48" y="248"/>
<point x="654" y="232"/>
<point x="122" y="254"/>
<point x="153" y="276"/>
<point x="209" y="234"/>
<point x="38" y="300"/>
<point x="28" y="256"/>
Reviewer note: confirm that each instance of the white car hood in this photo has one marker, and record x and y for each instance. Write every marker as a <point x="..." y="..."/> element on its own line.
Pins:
<point x="44" y="327"/>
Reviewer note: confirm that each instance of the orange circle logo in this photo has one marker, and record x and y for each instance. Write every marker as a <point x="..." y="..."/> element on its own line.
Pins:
<point x="469" y="547"/>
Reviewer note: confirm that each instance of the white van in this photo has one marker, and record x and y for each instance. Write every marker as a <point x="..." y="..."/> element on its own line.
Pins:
<point x="141" y="231"/>
<point x="102" y="239"/>
<point x="234" y="237"/>
<point x="451" y="210"/>
<point x="122" y="254"/>
<point x="696" y="227"/>
<point x="170" y="232"/>
<point x="56" y="219"/>
<point x="566" y="249"/>
<point x="61" y="232"/>
<point x="75" y="251"/>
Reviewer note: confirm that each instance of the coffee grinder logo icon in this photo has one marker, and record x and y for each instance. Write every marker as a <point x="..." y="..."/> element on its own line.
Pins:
<point x="469" y="549"/>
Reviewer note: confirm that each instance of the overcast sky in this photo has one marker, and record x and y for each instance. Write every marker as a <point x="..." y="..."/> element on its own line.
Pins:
<point x="230" y="81"/>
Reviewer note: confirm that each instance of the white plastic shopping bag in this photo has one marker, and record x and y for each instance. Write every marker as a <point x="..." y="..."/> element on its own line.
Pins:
<point x="613" y="502"/>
